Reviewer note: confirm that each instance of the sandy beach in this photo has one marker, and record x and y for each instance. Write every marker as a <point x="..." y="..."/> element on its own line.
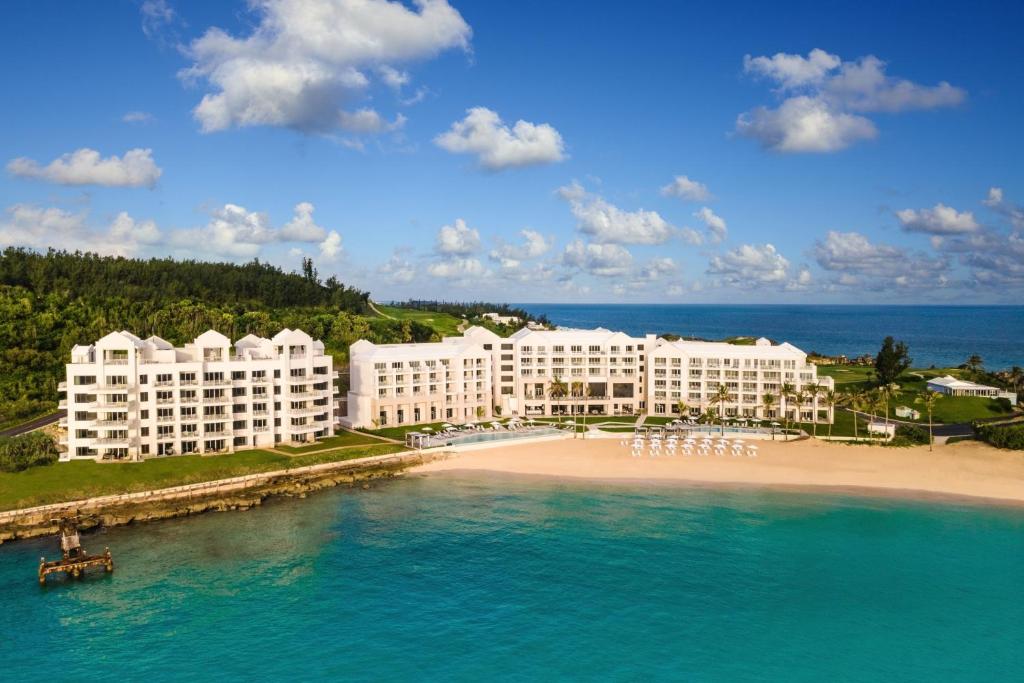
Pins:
<point x="963" y="469"/>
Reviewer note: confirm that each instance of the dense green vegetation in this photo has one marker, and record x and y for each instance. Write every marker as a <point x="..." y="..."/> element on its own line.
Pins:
<point x="445" y="324"/>
<point x="1002" y="435"/>
<point x="50" y="302"/>
<point x="28" y="450"/>
<point x="83" y="479"/>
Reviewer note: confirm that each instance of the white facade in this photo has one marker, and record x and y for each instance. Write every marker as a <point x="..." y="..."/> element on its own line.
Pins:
<point x="951" y="386"/>
<point x="692" y="371"/>
<point x="129" y="398"/>
<point x="480" y="374"/>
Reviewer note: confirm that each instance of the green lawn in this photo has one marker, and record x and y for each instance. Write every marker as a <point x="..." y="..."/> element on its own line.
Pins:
<point x="948" y="409"/>
<point x="343" y="439"/>
<point x="83" y="479"/>
<point x="400" y="432"/>
<point x="444" y="323"/>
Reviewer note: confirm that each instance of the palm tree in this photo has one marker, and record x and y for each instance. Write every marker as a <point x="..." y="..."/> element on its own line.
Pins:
<point x="681" y="405"/>
<point x="888" y="392"/>
<point x="798" y="398"/>
<point x="928" y="399"/>
<point x="831" y="398"/>
<point x="768" y="400"/>
<point x="556" y="392"/>
<point x="787" y="392"/>
<point x="876" y="401"/>
<point x="974" y="363"/>
<point x="812" y="391"/>
<point x="720" y="398"/>
<point x="857" y="401"/>
<point x="708" y="416"/>
<point x="581" y="390"/>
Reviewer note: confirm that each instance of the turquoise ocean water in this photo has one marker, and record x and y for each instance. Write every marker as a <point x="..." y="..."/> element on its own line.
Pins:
<point x="937" y="335"/>
<point x="480" y="577"/>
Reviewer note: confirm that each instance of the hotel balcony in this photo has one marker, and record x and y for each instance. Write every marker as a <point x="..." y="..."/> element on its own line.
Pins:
<point x="164" y="383"/>
<point x="111" y="388"/>
<point x="215" y="400"/>
<point x="165" y="437"/>
<point x="306" y="428"/>
<point x="311" y="410"/>
<point x="62" y="404"/>
<point x="62" y="439"/>
<point x="62" y="386"/>
<point x="112" y="405"/>
<point x="112" y="441"/>
<point x="188" y="382"/>
<point x="123" y="424"/>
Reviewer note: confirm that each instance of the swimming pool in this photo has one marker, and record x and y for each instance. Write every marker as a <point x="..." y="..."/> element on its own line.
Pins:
<point x="482" y="437"/>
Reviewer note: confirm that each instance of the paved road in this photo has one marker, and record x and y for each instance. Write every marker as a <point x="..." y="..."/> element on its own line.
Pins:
<point x="34" y="424"/>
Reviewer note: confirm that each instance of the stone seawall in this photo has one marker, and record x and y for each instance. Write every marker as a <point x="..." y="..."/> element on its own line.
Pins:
<point x="237" y="493"/>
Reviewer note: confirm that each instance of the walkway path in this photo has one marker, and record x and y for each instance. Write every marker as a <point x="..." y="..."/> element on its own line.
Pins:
<point x="33" y="424"/>
<point x="373" y="307"/>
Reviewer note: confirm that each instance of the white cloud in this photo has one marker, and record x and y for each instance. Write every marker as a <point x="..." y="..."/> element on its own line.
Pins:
<point x="940" y="220"/>
<point x="156" y="16"/>
<point x="86" y="167"/>
<point x="397" y="270"/>
<point x="751" y="265"/>
<point x="804" y="124"/>
<point x="27" y="225"/>
<point x="824" y="97"/>
<point x="657" y="268"/>
<point x="458" y="239"/>
<point x="997" y="203"/>
<point x="607" y="223"/>
<point x="534" y="245"/>
<point x="793" y="71"/>
<point x="499" y="147"/>
<point x="367" y="122"/>
<point x="302" y="227"/>
<point x="456" y="268"/>
<point x="602" y="260"/>
<point x="857" y="262"/>
<point x="715" y="223"/>
<point x="306" y="59"/>
<point x="138" y="117"/>
<point x="331" y="247"/>
<point x="685" y="188"/>
<point x="128" y="230"/>
<point x="233" y="231"/>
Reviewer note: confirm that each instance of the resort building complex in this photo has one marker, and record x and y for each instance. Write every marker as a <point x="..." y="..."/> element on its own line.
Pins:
<point x="574" y="372"/>
<point x="129" y="398"/>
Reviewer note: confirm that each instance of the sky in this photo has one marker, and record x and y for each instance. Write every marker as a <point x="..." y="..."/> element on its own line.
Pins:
<point x="647" y="152"/>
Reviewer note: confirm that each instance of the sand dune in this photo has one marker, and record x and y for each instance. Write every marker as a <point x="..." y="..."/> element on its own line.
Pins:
<point x="962" y="469"/>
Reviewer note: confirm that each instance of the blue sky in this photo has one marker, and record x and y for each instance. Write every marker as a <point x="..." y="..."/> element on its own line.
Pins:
<point x="862" y="153"/>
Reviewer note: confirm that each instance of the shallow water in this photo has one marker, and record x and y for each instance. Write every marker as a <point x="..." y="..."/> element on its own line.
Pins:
<point x="466" y="577"/>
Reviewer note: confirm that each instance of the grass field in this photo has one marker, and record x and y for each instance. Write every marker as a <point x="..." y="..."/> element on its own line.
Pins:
<point x="343" y="439"/>
<point x="444" y="323"/>
<point x="84" y="479"/>
<point x="948" y="409"/>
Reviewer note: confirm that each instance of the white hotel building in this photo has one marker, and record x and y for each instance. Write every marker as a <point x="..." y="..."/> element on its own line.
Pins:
<point x="129" y="398"/>
<point x="480" y="375"/>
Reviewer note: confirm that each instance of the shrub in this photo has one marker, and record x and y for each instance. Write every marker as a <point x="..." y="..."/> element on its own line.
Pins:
<point x="909" y="435"/>
<point x="1003" y="436"/>
<point x="28" y="450"/>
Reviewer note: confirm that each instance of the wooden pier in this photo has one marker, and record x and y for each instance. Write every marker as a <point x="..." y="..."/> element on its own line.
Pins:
<point x="74" y="560"/>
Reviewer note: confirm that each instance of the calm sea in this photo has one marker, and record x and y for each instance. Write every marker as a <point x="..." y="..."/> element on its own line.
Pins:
<point x="937" y="335"/>
<point x="462" y="577"/>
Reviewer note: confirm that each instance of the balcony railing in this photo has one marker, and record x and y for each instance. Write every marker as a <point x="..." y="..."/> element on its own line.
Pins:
<point x="216" y="382"/>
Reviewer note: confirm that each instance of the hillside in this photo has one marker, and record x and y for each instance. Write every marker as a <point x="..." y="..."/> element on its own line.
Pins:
<point x="50" y="302"/>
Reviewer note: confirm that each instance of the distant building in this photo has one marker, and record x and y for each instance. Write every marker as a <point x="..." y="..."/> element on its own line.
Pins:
<point x="129" y="398"/>
<point x="502" y="319"/>
<point x="907" y="412"/>
<point x="951" y="386"/>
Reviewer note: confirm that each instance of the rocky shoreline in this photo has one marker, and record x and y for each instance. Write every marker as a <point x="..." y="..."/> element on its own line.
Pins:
<point x="238" y="493"/>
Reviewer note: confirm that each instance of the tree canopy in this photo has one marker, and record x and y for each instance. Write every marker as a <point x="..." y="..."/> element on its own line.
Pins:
<point x="892" y="359"/>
